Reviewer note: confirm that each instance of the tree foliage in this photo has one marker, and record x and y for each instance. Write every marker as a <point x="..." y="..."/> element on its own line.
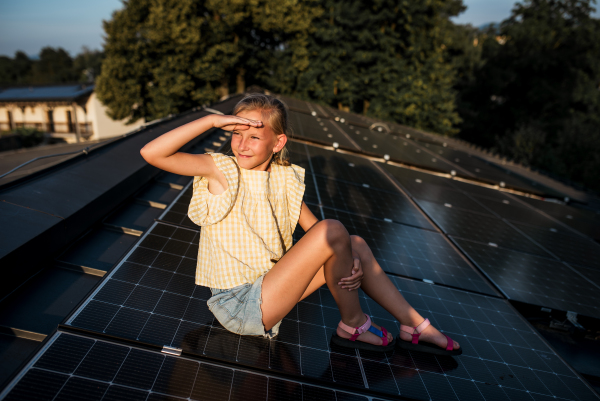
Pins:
<point x="166" y="56"/>
<point x="535" y="95"/>
<point x="53" y="66"/>
<point x="384" y="58"/>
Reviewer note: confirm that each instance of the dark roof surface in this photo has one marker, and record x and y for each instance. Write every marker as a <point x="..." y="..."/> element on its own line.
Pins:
<point x="45" y="93"/>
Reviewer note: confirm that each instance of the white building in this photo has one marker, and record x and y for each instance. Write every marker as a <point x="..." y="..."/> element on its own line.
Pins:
<point x="72" y="112"/>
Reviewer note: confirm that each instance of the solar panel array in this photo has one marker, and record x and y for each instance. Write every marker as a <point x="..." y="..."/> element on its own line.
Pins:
<point x="454" y="250"/>
<point x="81" y="368"/>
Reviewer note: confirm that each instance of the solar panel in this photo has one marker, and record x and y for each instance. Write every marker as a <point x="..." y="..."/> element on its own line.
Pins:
<point x="482" y="169"/>
<point x="407" y="177"/>
<point x="570" y="247"/>
<point x="584" y="221"/>
<point x="413" y="252"/>
<point x="396" y="147"/>
<point x="296" y="104"/>
<point x="479" y="227"/>
<point x="346" y="167"/>
<point x="355" y="119"/>
<point x="592" y="274"/>
<point x="298" y="154"/>
<point x="370" y="202"/>
<point x="481" y="191"/>
<point x="506" y="358"/>
<point x="150" y="297"/>
<point x="445" y="196"/>
<point x="319" y="129"/>
<point x="73" y="367"/>
<point x="535" y="280"/>
<point x="176" y="212"/>
<point x="513" y="210"/>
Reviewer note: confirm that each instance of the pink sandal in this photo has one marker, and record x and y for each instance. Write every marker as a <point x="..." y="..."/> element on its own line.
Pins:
<point x="424" y="346"/>
<point x="357" y="331"/>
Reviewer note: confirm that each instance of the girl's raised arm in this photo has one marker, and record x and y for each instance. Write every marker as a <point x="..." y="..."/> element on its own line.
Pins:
<point x="163" y="153"/>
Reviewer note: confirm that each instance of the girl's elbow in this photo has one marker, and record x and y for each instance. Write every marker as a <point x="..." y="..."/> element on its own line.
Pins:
<point x="146" y="155"/>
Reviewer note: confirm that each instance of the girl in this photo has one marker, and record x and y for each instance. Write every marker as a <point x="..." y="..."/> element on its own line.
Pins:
<point x="248" y="206"/>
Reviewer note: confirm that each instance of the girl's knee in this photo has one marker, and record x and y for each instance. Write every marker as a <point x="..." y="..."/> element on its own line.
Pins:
<point x="360" y="246"/>
<point x="334" y="231"/>
<point x="357" y="242"/>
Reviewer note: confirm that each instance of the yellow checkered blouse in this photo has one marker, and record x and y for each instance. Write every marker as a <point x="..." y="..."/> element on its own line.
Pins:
<point x="247" y="228"/>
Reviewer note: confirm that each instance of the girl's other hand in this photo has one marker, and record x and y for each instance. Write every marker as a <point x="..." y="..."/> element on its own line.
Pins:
<point x="353" y="282"/>
<point x="231" y="123"/>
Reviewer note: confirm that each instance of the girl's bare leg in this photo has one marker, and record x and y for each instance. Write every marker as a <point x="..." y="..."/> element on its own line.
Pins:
<point x="377" y="285"/>
<point x="327" y="245"/>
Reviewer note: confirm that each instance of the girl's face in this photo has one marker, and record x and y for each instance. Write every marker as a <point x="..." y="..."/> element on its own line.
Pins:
<point x="252" y="146"/>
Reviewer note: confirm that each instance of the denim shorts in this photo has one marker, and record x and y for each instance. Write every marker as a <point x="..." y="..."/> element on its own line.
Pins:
<point x="238" y="309"/>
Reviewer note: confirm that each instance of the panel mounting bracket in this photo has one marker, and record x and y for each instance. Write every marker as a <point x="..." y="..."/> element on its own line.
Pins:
<point x="572" y="317"/>
<point x="171" y="350"/>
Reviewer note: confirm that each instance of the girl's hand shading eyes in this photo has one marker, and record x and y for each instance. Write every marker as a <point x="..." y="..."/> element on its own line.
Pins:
<point x="230" y="123"/>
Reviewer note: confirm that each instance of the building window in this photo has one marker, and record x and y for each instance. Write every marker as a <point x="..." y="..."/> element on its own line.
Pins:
<point x="50" y="121"/>
<point x="69" y="122"/>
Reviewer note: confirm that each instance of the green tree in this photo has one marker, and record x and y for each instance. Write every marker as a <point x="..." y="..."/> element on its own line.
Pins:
<point x="536" y="98"/>
<point x="54" y="66"/>
<point x="15" y="71"/>
<point x="166" y="56"/>
<point x="88" y="64"/>
<point x="386" y="59"/>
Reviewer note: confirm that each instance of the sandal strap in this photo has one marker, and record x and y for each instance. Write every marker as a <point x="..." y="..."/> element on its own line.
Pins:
<point x="415" y="331"/>
<point x="450" y="344"/>
<point x="356" y="331"/>
<point x="380" y="333"/>
<point x="384" y="337"/>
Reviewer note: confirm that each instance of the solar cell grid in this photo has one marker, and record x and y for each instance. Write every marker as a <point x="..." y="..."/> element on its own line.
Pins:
<point x="346" y="167"/>
<point x="512" y="210"/>
<point x="414" y="180"/>
<point x="299" y="105"/>
<point x="570" y="247"/>
<point x="350" y="117"/>
<point x="369" y="202"/>
<point x="96" y="369"/>
<point x="319" y="129"/>
<point x="176" y="212"/>
<point x="413" y="252"/>
<point x="396" y="146"/>
<point x="459" y="157"/>
<point x="479" y="227"/>
<point x="534" y="280"/>
<point x="481" y="168"/>
<point x="298" y="156"/>
<point x="481" y="191"/>
<point x="591" y="274"/>
<point x="446" y="196"/>
<point x="585" y="221"/>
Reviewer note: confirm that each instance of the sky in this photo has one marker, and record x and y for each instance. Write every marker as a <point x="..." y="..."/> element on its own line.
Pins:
<point x="30" y="25"/>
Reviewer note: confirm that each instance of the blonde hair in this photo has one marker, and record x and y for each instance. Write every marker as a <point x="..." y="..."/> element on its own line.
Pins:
<point x="275" y="112"/>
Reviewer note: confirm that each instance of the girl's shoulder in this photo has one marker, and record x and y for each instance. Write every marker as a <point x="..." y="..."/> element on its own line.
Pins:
<point x="293" y="172"/>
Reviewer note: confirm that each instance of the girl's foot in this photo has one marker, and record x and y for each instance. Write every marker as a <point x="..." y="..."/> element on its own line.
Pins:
<point x="367" y="336"/>
<point x="428" y="339"/>
<point x="430" y="335"/>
